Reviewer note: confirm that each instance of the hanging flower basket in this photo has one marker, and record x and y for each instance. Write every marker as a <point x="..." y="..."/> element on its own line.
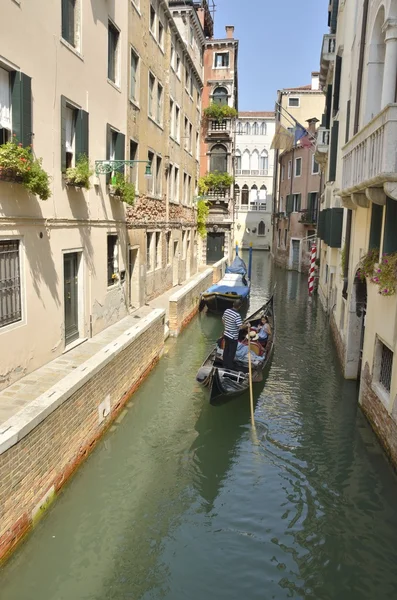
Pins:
<point x="18" y="164"/>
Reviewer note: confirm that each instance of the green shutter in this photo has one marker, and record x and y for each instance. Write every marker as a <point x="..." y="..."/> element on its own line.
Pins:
<point x="333" y="151"/>
<point x="81" y="134"/>
<point x="21" y="100"/>
<point x="298" y="202"/>
<point x="336" y="225"/>
<point x="376" y="226"/>
<point x="321" y="225"/>
<point x="63" y="134"/>
<point x="390" y="237"/>
<point x="65" y="20"/>
<point x="309" y="203"/>
<point x="290" y="201"/>
<point x="120" y="149"/>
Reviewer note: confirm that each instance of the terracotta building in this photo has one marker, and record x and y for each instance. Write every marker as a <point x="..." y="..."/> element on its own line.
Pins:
<point x="218" y="140"/>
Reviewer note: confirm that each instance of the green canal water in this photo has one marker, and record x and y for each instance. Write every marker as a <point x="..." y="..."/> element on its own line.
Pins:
<point x="180" y="501"/>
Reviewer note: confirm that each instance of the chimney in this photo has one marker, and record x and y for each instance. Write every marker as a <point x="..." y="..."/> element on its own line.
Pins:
<point x="312" y="124"/>
<point x="229" y="31"/>
<point x="315" y="80"/>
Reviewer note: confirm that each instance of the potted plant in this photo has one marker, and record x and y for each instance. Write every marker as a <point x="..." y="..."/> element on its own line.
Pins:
<point x="79" y="175"/>
<point x="214" y="182"/>
<point x="220" y="112"/>
<point x="122" y="189"/>
<point x="18" y="164"/>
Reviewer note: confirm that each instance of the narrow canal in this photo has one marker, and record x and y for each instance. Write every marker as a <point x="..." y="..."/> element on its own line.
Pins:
<point x="179" y="502"/>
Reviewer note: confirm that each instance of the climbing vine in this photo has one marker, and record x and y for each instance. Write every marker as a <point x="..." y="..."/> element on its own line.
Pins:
<point x="214" y="182"/>
<point x="202" y="214"/>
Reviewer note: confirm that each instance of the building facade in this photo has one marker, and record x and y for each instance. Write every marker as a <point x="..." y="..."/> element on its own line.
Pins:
<point x="63" y="262"/>
<point x="253" y="190"/>
<point x="302" y="105"/>
<point x="359" y="65"/>
<point x="218" y="141"/>
<point x="299" y="194"/>
<point x="166" y="43"/>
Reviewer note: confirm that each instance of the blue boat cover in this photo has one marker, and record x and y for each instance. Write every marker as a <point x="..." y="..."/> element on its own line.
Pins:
<point x="242" y="291"/>
<point x="238" y="267"/>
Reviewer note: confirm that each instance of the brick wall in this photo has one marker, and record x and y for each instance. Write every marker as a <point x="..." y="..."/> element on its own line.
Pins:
<point x="33" y="470"/>
<point x="383" y="423"/>
<point x="184" y="303"/>
<point x="152" y="212"/>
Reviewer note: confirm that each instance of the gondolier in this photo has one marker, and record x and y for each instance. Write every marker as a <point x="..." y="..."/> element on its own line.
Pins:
<point x="232" y="322"/>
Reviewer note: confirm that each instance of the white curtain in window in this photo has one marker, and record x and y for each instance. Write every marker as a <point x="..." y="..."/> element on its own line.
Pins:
<point x="264" y="161"/>
<point x="246" y="160"/>
<point x="5" y="100"/>
<point x="254" y="194"/>
<point x="263" y="193"/>
<point x="69" y="116"/>
<point x="255" y="161"/>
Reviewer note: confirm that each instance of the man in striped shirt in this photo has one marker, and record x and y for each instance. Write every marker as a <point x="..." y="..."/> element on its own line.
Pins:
<point x="232" y="322"/>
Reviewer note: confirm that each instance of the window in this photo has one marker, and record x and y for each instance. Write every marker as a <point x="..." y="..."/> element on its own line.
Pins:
<point x="191" y="85"/>
<point x="151" y="93"/>
<point x="282" y="172"/>
<point x="178" y="65"/>
<point x="177" y="123"/>
<point x="197" y="146"/>
<point x="183" y="245"/>
<point x="238" y="161"/>
<point x="149" y="243"/>
<point x="74" y="134"/>
<point x="289" y="169"/>
<point x="190" y="137"/>
<point x="113" y="263"/>
<point x="237" y="193"/>
<point x="171" y="182"/>
<point x="281" y="204"/>
<point x="285" y="237"/>
<point x="10" y="283"/>
<point x="279" y="238"/>
<point x="159" y="107"/>
<point x="293" y="102"/>
<point x="5" y="106"/>
<point x="315" y="166"/>
<point x="296" y="202"/>
<point x="221" y="59"/>
<point x="220" y="96"/>
<point x="184" y="190"/>
<point x="263" y="196"/>
<point x="298" y="167"/>
<point x="263" y="163"/>
<point x="152" y="19"/>
<point x="168" y="247"/>
<point x="255" y="129"/>
<point x="158" y="249"/>
<point x="244" y="195"/>
<point x="247" y="129"/>
<point x="185" y="134"/>
<point x="254" y="195"/>
<point x="263" y="129"/>
<point x="261" y="228"/>
<point x="150" y="180"/>
<point x="160" y="38"/>
<point x="218" y="159"/>
<point x="172" y="61"/>
<point x="172" y="118"/>
<point x="187" y="78"/>
<point x="70" y="21"/>
<point x="176" y="184"/>
<point x="191" y="35"/>
<point x="134" y="76"/>
<point x="113" y="51"/>
<point x="159" y="181"/>
<point x="383" y="365"/>
<point x="239" y="129"/>
<point x="189" y="189"/>
<point x="134" y="166"/>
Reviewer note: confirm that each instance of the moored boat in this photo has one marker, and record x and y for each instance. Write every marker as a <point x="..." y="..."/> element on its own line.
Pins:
<point x="222" y="383"/>
<point x="234" y="285"/>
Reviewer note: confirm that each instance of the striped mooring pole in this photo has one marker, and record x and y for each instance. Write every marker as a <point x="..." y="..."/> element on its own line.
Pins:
<point x="312" y="268"/>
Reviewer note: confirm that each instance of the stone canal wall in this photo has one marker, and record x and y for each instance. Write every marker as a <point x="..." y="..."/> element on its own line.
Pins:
<point x="184" y="303"/>
<point x="44" y="443"/>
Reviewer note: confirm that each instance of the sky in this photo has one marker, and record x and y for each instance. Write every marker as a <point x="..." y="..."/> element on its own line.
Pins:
<point x="279" y="44"/>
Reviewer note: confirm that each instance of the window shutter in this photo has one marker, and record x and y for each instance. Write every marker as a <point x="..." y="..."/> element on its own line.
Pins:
<point x="120" y="150"/>
<point x="336" y="224"/>
<point x="338" y="72"/>
<point x="376" y="226"/>
<point x="21" y="101"/>
<point x="108" y="142"/>
<point x="290" y="201"/>
<point x="321" y="225"/>
<point x="63" y="134"/>
<point x="389" y="235"/>
<point x="82" y="134"/>
<point x="347" y="121"/>
<point x="298" y="202"/>
<point x="328" y="103"/>
<point x="333" y="151"/>
<point x="309" y="203"/>
<point x="65" y="19"/>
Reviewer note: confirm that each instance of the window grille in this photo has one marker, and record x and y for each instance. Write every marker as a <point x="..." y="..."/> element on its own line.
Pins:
<point x="10" y="283"/>
<point x="386" y="364"/>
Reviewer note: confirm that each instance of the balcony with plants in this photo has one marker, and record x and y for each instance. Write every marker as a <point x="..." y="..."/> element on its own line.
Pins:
<point x="219" y="119"/>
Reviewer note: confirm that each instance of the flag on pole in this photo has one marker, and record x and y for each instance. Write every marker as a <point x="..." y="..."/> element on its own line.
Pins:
<point x="283" y="139"/>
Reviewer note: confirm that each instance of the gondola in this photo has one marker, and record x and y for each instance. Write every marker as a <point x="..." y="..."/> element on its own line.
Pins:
<point x="222" y="383"/>
<point x="234" y="285"/>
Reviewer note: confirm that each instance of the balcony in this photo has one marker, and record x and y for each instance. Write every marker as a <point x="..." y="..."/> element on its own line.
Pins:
<point x="259" y="205"/>
<point x="308" y="217"/>
<point x="322" y="146"/>
<point x="251" y="172"/>
<point x="369" y="159"/>
<point x="327" y="56"/>
<point x="220" y="129"/>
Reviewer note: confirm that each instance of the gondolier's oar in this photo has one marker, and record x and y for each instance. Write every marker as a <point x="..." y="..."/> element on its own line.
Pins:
<point x="250" y="378"/>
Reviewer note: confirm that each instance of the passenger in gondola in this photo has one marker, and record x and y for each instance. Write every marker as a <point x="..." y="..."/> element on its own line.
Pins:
<point x="264" y="331"/>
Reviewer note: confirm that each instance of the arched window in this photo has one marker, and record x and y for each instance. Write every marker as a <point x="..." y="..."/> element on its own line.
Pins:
<point x="218" y="159"/>
<point x="220" y="96"/>
<point x="263" y="128"/>
<point x="246" y="160"/>
<point x="239" y="127"/>
<point x="375" y="67"/>
<point x="255" y="161"/>
<point x="238" y="161"/>
<point x="244" y="195"/>
<point x="261" y="228"/>
<point x="254" y="194"/>
<point x="247" y="128"/>
<point x="264" y="162"/>
<point x="263" y="193"/>
<point x="255" y="128"/>
<point x="237" y="193"/>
